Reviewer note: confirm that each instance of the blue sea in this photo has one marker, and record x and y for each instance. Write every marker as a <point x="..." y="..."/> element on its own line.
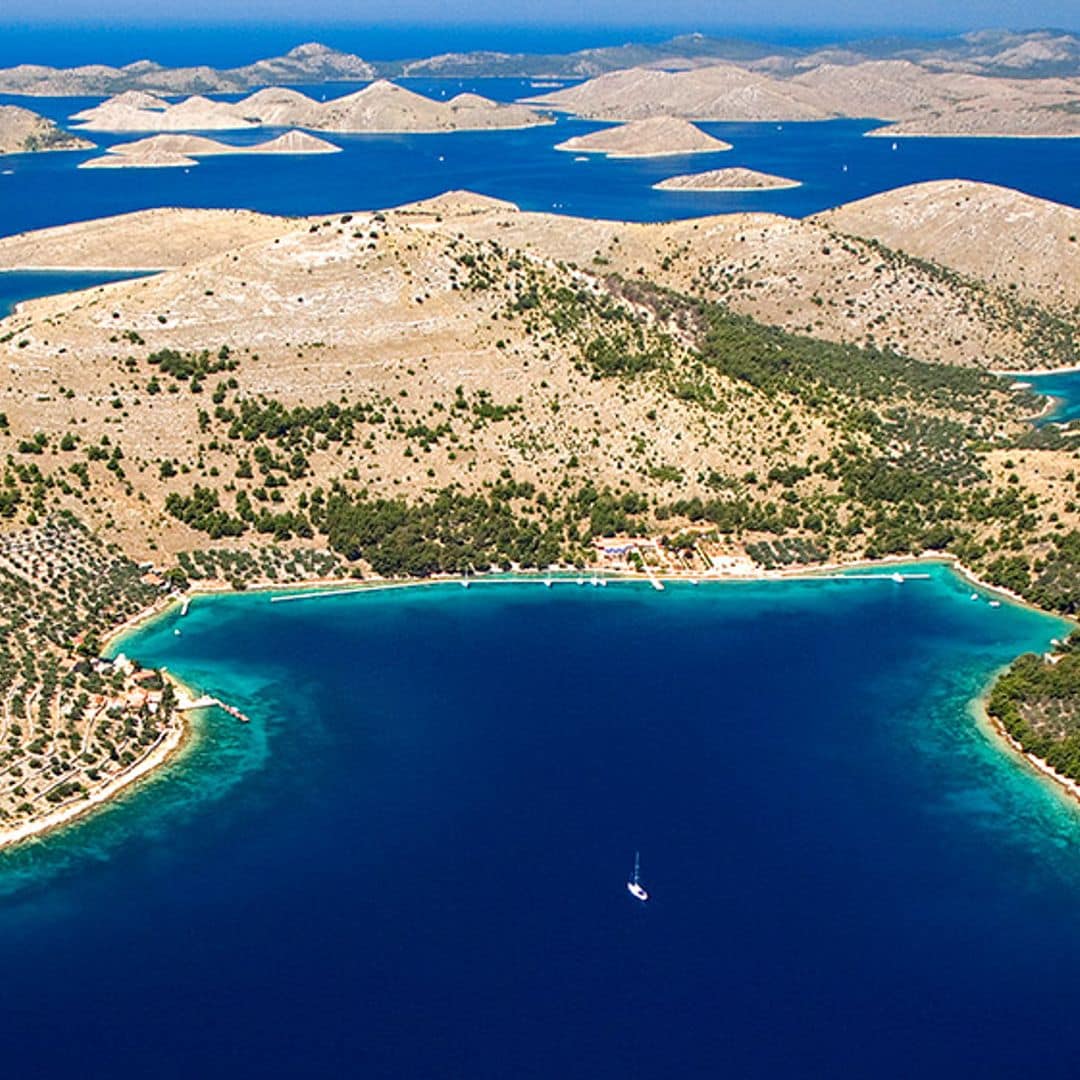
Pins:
<point x="412" y="862"/>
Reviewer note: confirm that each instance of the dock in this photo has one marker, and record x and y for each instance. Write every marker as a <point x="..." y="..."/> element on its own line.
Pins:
<point x="208" y="702"/>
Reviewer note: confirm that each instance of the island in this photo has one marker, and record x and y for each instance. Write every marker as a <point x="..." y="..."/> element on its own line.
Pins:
<point x="455" y="386"/>
<point x="658" y="136"/>
<point x="1032" y="55"/>
<point x="735" y="179"/>
<point x="25" y="132"/>
<point x="914" y="99"/>
<point x="164" y="151"/>
<point x="382" y="107"/>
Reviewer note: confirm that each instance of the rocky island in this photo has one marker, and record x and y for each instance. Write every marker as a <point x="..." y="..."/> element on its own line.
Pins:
<point x="658" y="136"/>
<point x="163" y="151"/>
<point x="381" y="108"/>
<point x="735" y="179"/>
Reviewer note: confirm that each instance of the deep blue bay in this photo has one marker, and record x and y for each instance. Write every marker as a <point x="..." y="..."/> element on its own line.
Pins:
<point x="411" y="862"/>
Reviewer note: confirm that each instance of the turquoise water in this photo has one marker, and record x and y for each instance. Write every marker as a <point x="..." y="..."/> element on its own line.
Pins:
<point x="412" y="861"/>
<point x="1064" y="387"/>
<point x="19" y="285"/>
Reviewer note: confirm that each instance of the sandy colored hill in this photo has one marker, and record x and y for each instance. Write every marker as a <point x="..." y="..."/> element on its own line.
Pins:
<point x="1009" y="239"/>
<point x="143" y="240"/>
<point x="168" y="150"/>
<point x="726" y="180"/>
<point x="150" y="158"/>
<point x="386" y="107"/>
<point x="295" y="142"/>
<point x="721" y="92"/>
<point x="805" y="276"/>
<point x="918" y="100"/>
<point x="23" y="131"/>
<point x="658" y="136"/>
<point x="380" y="107"/>
<point x="192" y="114"/>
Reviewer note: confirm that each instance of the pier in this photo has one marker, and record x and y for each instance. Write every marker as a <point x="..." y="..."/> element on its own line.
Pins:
<point x="208" y="702"/>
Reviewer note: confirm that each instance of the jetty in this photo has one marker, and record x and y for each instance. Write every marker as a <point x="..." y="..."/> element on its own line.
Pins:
<point x="186" y="704"/>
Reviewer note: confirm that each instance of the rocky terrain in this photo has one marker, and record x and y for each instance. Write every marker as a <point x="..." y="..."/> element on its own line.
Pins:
<point x="658" y="136"/>
<point x="1027" y="246"/>
<point x="23" y="132"/>
<point x="735" y="179"/>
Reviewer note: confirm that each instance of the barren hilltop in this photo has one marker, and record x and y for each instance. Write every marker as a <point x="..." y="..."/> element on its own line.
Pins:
<point x="24" y="132"/>
<point x="1012" y="241"/>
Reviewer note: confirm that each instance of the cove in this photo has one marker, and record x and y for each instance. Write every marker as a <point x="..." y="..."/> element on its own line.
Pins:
<point x="412" y="861"/>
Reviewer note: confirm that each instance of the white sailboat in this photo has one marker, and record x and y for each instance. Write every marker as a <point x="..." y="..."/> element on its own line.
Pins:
<point x="634" y="886"/>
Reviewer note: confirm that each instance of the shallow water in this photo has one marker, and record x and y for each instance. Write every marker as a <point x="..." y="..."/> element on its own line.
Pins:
<point x="1064" y="388"/>
<point x="412" y="861"/>
<point x="19" y="285"/>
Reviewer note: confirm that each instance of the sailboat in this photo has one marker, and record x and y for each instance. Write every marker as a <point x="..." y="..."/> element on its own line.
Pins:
<point x="634" y="886"/>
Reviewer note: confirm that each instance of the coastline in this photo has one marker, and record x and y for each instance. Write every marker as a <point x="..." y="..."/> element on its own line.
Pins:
<point x="172" y="745"/>
<point x="1067" y="788"/>
<point x="179" y="738"/>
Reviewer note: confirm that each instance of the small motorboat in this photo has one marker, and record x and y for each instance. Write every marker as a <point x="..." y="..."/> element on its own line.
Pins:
<point x="634" y="886"/>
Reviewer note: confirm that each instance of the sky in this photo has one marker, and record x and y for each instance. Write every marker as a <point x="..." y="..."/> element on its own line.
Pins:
<point x="920" y="15"/>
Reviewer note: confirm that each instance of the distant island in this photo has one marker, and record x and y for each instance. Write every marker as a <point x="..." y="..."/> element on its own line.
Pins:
<point x="734" y="179"/>
<point x="915" y="100"/>
<point x="998" y="53"/>
<point x="381" y="107"/>
<point x="25" y="132"/>
<point x="658" y="136"/>
<point x="164" y="151"/>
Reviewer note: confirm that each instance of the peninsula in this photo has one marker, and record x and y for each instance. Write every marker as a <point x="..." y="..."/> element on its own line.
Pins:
<point x="25" y="132"/>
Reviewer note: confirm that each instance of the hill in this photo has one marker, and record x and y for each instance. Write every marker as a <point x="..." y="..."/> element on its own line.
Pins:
<point x="25" y="132"/>
<point x="1013" y="241"/>
<point x="916" y="99"/>
<point x="380" y="107"/>
<point x="170" y="150"/>
<point x="726" y="180"/>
